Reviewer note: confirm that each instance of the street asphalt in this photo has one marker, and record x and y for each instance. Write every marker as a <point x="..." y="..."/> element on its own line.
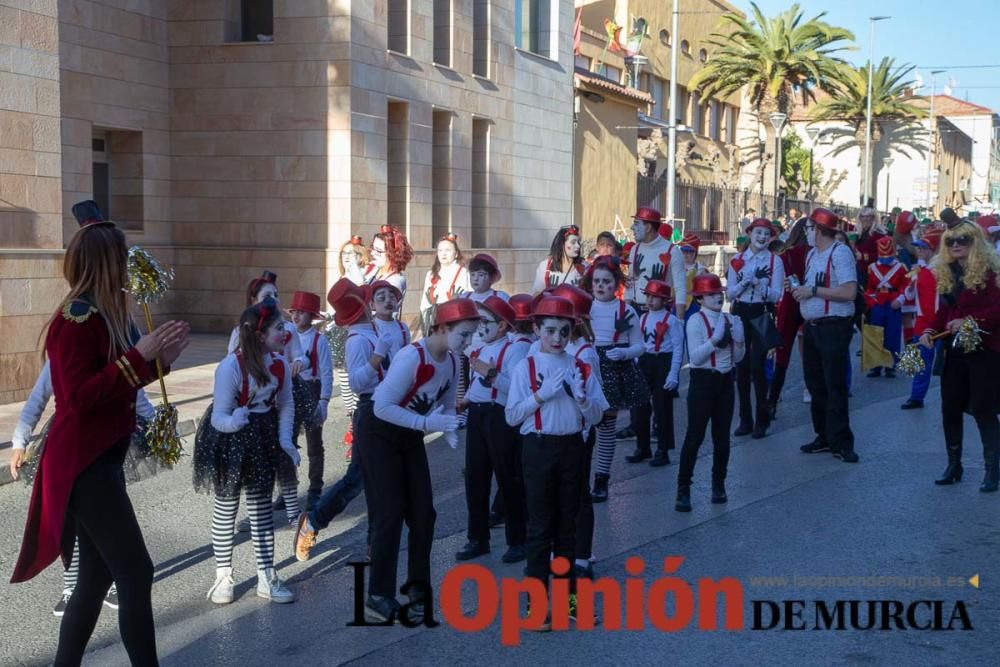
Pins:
<point x="876" y="530"/>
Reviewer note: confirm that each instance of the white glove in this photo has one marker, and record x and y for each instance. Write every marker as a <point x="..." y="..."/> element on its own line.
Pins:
<point x="293" y="454"/>
<point x="616" y="354"/>
<point x="22" y="434"/>
<point x="239" y="418"/>
<point x="451" y="437"/>
<point x="384" y="343"/>
<point x="321" y="412"/>
<point x="672" y="381"/>
<point x="438" y="421"/>
<point x="720" y="331"/>
<point x="552" y="385"/>
<point x="738" y="336"/>
<point x="577" y="385"/>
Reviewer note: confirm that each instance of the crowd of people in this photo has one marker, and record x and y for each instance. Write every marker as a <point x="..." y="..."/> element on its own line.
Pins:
<point x="538" y="381"/>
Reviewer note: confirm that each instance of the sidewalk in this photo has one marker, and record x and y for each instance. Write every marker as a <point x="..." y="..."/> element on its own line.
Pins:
<point x="189" y="387"/>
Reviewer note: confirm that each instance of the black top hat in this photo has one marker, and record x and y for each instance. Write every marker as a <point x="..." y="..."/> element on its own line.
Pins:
<point x="949" y="217"/>
<point x="89" y="213"/>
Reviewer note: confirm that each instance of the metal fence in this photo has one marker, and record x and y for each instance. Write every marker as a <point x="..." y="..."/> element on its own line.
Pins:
<point x="715" y="213"/>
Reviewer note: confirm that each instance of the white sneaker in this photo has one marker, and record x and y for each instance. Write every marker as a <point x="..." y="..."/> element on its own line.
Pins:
<point x="806" y="396"/>
<point x="270" y="587"/>
<point x="222" y="591"/>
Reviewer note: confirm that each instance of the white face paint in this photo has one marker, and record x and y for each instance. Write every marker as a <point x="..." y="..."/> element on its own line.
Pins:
<point x="759" y="238"/>
<point x="554" y="333"/>
<point x="712" y="302"/>
<point x="268" y="291"/>
<point x="811" y="235"/>
<point x="460" y="335"/>
<point x="385" y="303"/>
<point x="639" y="231"/>
<point x="378" y="253"/>
<point x="571" y="246"/>
<point x="489" y="326"/>
<point x="603" y="285"/>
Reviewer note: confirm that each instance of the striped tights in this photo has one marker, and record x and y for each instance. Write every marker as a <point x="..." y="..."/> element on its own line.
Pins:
<point x="605" y="445"/>
<point x="261" y="528"/>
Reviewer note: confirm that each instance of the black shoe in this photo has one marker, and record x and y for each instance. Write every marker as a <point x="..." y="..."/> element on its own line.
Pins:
<point x="111" y="598"/>
<point x="661" y="459"/>
<point x="60" y="607"/>
<point x="772" y="410"/>
<point x="815" y="447"/>
<point x="496" y="520"/>
<point x="890" y="373"/>
<point x="583" y="572"/>
<point x="278" y="505"/>
<point x="600" y="492"/>
<point x="849" y="456"/>
<point x="991" y="480"/>
<point x="380" y="609"/>
<point x="626" y="433"/>
<point x="745" y="428"/>
<point x="911" y="404"/>
<point x="514" y="554"/>
<point x="473" y="550"/>
<point x="759" y="431"/>
<point x="683" y="503"/>
<point x="951" y="475"/>
<point x="836" y="454"/>
<point x="875" y="373"/>
<point x="639" y="455"/>
<point x="719" y="493"/>
<point x="415" y="611"/>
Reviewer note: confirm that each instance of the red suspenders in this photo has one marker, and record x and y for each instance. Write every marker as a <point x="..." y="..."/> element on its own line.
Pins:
<point x="708" y="327"/>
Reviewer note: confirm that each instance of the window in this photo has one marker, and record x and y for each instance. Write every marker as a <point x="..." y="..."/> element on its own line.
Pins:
<point x="696" y="115"/>
<point x="102" y="175"/>
<point x="480" y="182"/>
<point x="665" y="37"/>
<point x="441" y="174"/>
<point x="116" y="161"/>
<point x="733" y="114"/>
<point x="683" y="100"/>
<point x="398" y="168"/>
<point x="612" y="73"/>
<point x="399" y="26"/>
<point x="685" y="47"/>
<point x="481" y="38"/>
<point x="582" y="61"/>
<point x="714" y="111"/>
<point x="249" y="20"/>
<point x="534" y="26"/>
<point x="442" y="32"/>
<point x="660" y="91"/>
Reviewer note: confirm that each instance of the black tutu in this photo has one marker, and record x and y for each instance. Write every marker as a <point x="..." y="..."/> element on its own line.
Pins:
<point x="227" y="463"/>
<point x="623" y="385"/>
<point x="305" y="396"/>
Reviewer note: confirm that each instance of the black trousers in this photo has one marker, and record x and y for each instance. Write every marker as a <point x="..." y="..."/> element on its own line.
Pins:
<point x="750" y="369"/>
<point x="553" y="472"/>
<point x="493" y="447"/>
<point x="655" y="368"/>
<point x="338" y="497"/>
<point x="314" y="449"/>
<point x="585" y="515"/>
<point x="826" y="349"/>
<point x="962" y="387"/>
<point x="710" y="399"/>
<point x="398" y="485"/>
<point x="111" y="550"/>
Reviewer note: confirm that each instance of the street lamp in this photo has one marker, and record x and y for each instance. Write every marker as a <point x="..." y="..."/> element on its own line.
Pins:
<point x="672" y="128"/>
<point x="812" y="132"/>
<point x="868" y="112"/>
<point x="888" y="163"/>
<point x="931" y="144"/>
<point x="777" y="122"/>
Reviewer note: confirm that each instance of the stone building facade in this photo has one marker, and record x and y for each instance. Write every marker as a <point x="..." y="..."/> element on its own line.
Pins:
<point x="232" y="136"/>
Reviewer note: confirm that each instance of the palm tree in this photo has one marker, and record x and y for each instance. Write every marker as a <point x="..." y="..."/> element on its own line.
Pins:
<point x="775" y="57"/>
<point x="893" y="113"/>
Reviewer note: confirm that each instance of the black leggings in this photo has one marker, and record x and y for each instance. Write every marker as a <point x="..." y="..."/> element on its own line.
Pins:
<point x="111" y="550"/>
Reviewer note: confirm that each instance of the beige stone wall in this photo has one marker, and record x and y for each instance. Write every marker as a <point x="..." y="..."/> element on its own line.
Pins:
<point x="606" y="165"/>
<point x="30" y="187"/>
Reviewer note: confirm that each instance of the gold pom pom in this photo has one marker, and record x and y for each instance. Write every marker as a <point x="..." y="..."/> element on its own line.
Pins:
<point x="911" y="362"/>
<point x="147" y="279"/>
<point x="161" y="435"/>
<point x="969" y="337"/>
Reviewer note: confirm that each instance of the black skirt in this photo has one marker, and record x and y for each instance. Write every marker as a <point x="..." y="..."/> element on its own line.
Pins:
<point x="974" y="374"/>
<point x="250" y="459"/>
<point x="623" y="385"/>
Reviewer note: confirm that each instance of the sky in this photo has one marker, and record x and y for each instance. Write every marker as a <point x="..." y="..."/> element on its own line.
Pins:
<point x="926" y="33"/>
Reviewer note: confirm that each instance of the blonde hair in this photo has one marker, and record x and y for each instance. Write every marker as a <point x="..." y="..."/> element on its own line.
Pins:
<point x="982" y="259"/>
<point x="360" y="249"/>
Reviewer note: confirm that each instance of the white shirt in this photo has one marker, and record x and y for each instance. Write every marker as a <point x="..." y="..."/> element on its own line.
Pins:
<point x="548" y="275"/>
<point x="513" y="353"/>
<point x="838" y="262"/>
<point x="358" y="350"/>
<point x="440" y="388"/>
<point x="561" y="415"/>
<point x="672" y="340"/>
<point x="261" y="398"/>
<point x="452" y="282"/>
<point x="701" y="352"/>
<point x="479" y="297"/>
<point x="641" y="268"/>
<point x="292" y="351"/>
<point x="397" y="280"/>
<point x="33" y="408"/>
<point x="322" y="369"/>
<point x="400" y="333"/>
<point x="605" y="316"/>
<point x="767" y="290"/>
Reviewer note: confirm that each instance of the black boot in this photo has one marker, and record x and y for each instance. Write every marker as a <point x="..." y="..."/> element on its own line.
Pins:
<point x="953" y="473"/>
<point x="719" y="492"/>
<point x="991" y="458"/>
<point x="683" y="503"/>
<point x="661" y="459"/>
<point x="600" y="492"/>
<point x="745" y="428"/>
<point x="639" y="455"/>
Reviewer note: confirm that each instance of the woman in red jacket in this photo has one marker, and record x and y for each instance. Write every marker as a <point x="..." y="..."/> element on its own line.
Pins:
<point x="968" y="280"/>
<point x="98" y="364"/>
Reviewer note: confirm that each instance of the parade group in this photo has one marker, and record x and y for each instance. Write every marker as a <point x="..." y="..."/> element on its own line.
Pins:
<point x="538" y="382"/>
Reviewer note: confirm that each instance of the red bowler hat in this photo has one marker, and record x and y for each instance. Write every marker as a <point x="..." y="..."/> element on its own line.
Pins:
<point x="581" y="299"/>
<point x="307" y="302"/>
<point x="932" y="238"/>
<point x="555" y="306"/>
<point x="385" y="284"/>
<point x="456" y="310"/>
<point x="761" y="223"/>
<point x="708" y="283"/>
<point x="500" y="308"/>
<point x="987" y="222"/>
<point x="349" y="301"/>
<point x="886" y="247"/>
<point x="905" y="222"/>
<point x="659" y="288"/>
<point x="824" y="217"/>
<point x="647" y="214"/>
<point x="522" y="305"/>
<point x="488" y="259"/>
<point x="691" y="240"/>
